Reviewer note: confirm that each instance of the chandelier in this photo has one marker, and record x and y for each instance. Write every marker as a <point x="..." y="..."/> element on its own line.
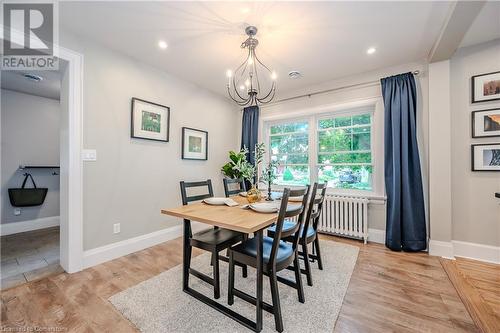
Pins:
<point x="252" y="83"/>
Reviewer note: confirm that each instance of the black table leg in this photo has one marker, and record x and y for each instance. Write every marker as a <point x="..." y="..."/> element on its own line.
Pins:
<point x="258" y="321"/>
<point x="186" y="255"/>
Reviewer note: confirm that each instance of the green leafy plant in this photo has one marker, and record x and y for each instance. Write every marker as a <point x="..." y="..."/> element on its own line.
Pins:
<point x="235" y="158"/>
<point x="239" y="167"/>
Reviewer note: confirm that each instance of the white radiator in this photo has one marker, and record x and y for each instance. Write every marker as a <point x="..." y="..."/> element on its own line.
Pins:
<point x="344" y="216"/>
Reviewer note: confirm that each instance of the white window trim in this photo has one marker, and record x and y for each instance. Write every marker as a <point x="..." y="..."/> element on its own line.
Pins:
<point x="374" y="106"/>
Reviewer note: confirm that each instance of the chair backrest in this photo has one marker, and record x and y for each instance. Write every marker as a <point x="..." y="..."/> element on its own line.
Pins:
<point x="289" y="212"/>
<point x="227" y="182"/>
<point x="187" y="199"/>
<point x="315" y="207"/>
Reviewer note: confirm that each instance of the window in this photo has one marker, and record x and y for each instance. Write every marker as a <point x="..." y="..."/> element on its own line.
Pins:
<point x="344" y="152"/>
<point x="289" y="144"/>
<point x="333" y="148"/>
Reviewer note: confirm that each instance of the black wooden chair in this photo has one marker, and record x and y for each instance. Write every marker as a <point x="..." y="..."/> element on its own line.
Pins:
<point x="213" y="240"/>
<point x="277" y="255"/>
<point x="309" y="231"/>
<point x="228" y="182"/>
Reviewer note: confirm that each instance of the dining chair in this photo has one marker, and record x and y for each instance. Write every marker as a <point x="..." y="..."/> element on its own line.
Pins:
<point x="277" y="255"/>
<point x="212" y="240"/>
<point x="228" y="182"/>
<point x="308" y="232"/>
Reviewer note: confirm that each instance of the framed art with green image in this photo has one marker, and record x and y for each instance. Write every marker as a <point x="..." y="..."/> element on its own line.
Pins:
<point x="150" y="121"/>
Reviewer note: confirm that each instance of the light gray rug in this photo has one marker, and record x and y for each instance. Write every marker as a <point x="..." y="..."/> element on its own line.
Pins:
<point x="159" y="305"/>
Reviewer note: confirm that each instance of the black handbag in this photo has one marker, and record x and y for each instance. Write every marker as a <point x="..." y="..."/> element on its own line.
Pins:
<point x="27" y="197"/>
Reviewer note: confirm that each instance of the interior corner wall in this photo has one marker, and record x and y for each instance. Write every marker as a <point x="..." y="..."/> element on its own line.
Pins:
<point x="439" y="152"/>
<point x="475" y="210"/>
<point x="30" y="135"/>
<point x="133" y="179"/>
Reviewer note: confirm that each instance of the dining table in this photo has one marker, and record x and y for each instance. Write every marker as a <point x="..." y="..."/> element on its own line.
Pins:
<point x="237" y="218"/>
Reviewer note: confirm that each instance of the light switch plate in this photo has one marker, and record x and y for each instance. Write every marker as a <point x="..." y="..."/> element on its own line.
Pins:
<point x="89" y="155"/>
<point x="17" y="211"/>
<point x="116" y="228"/>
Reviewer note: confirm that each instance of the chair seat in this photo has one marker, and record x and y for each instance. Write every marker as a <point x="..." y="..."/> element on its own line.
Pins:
<point x="287" y="225"/>
<point x="216" y="236"/>
<point x="249" y="247"/>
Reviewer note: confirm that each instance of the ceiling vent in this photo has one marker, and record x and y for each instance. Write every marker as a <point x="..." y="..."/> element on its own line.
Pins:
<point x="32" y="77"/>
<point x="294" y="75"/>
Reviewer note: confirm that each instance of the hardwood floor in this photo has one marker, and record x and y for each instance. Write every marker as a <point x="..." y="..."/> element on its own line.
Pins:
<point x="388" y="292"/>
<point x="478" y="285"/>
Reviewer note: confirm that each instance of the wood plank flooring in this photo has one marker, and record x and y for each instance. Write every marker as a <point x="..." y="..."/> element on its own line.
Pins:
<point x="478" y="285"/>
<point x="388" y="292"/>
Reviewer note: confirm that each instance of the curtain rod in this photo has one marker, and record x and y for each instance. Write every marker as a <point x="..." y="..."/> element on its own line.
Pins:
<point x="369" y="83"/>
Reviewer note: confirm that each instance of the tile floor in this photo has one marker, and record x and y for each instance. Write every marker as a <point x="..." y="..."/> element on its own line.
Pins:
<point x="29" y="256"/>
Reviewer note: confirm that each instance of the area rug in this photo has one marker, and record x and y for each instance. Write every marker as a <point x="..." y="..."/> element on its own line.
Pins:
<point x="160" y="305"/>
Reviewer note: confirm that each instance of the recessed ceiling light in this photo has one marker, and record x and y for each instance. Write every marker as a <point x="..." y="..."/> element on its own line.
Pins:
<point x="294" y="75"/>
<point x="245" y="10"/>
<point x="371" y="50"/>
<point x="162" y="44"/>
<point x="33" y="77"/>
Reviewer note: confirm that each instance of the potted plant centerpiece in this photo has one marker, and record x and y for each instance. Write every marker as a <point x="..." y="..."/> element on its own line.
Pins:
<point x="239" y="167"/>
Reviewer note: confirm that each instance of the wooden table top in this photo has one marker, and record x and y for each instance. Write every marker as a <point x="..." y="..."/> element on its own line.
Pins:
<point x="232" y="218"/>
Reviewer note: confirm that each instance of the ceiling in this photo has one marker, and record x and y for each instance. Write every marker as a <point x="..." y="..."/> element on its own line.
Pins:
<point x="49" y="87"/>
<point x="485" y="27"/>
<point x="322" y="40"/>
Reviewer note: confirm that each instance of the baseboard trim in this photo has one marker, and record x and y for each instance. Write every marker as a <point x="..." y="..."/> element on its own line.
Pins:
<point x="450" y="250"/>
<point x="486" y="253"/>
<point x="376" y="236"/>
<point x="119" y="249"/>
<point x="441" y="249"/>
<point x="30" y="225"/>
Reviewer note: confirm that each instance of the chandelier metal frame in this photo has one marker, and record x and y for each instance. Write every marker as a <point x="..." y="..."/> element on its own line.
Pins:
<point x="246" y="76"/>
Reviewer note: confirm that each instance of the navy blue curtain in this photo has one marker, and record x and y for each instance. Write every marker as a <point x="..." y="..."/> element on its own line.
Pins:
<point x="405" y="227"/>
<point x="250" y="130"/>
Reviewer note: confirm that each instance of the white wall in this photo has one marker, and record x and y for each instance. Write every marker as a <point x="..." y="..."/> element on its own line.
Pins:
<point x="133" y="179"/>
<point x="30" y="136"/>
<point x="353" y="96"/>
<point x="475" y="210"/>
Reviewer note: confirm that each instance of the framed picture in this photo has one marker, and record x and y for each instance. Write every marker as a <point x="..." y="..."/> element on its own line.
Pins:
<point x="486" y="87"/>
<point x="486" y="157"/>
<point x="150" y="121"/>
<point x="486" y="123"/>
<point x="194" y="144"/>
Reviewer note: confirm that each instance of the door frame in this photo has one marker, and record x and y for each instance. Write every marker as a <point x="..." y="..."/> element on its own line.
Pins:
<point x="71" y="172"/>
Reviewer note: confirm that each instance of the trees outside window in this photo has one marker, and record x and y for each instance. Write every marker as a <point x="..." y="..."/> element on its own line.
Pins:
<point x="342" y="154"/>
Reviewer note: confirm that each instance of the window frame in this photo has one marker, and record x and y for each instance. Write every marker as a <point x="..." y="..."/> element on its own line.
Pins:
<point x="374" y="108"/>
<point x="267" y="131"/>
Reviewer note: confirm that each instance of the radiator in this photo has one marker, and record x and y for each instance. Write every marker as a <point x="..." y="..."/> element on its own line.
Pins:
<point x="344" y="216"/>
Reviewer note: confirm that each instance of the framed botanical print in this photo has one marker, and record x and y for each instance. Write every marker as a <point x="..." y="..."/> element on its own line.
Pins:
<point x="150" y="121"/>
<point x="486" y="87"/>
<point x="486" y="123"/>
<point x="194" y="144"/>
<point x="485" y="157"/>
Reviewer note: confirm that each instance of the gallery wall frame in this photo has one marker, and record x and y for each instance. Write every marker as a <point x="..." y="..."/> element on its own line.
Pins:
<point x="486" y="123"/>
<point x="149" y="120"/>
<point x="194" y="144"/>
<point x="485" y="157"/>
<point x="485" y="87"/>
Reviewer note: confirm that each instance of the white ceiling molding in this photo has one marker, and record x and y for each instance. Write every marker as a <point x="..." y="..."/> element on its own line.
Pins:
<point x="460" y="18"/>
